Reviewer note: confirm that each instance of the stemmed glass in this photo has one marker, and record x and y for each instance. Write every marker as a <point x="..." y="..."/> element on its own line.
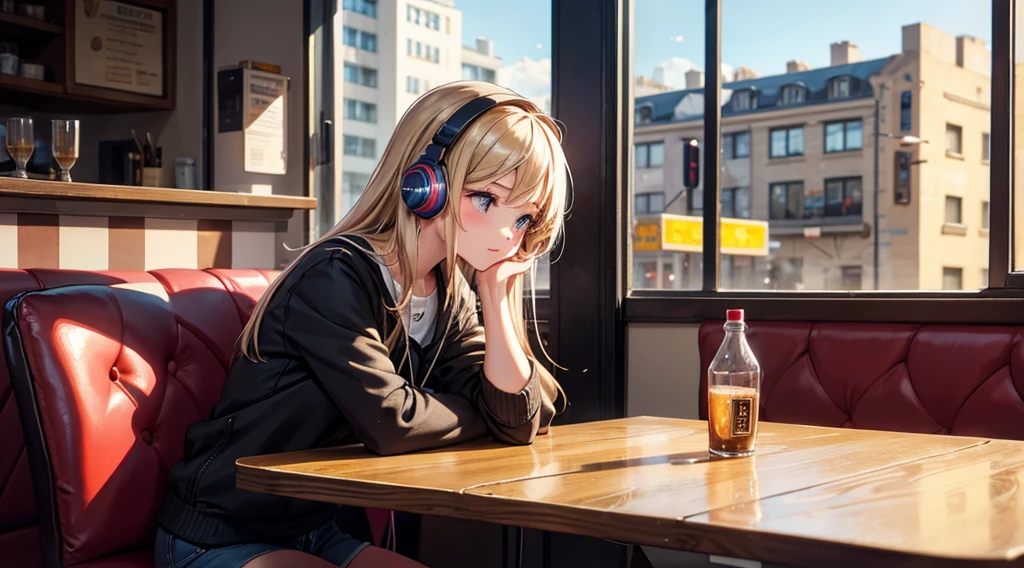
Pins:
<point x="20" y="143"/>
<point x="65" y="146"/>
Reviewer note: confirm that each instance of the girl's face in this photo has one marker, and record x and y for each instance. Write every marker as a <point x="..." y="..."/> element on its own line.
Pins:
<point x="491" y="230"/>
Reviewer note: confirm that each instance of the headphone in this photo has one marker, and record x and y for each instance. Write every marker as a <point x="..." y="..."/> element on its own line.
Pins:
<point x="425" y="184"/>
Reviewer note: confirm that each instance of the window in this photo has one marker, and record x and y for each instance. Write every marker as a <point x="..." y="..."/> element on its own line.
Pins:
<point x="695" y="200"/>
<point x="736" y="202"/>
<point x="644" y="114"/>
<point x="743" y="100"/>
<point x="649" y="203"/>
<point x="787" y="142"/>
<point x="352" y="186"/>
<point x="786" y="200"/>
<point x="360" y="39"/>
<point x="984" y="278"/>
<point x="423" y="17"/>
<point x="412" y="85"/>
<point x="793" y="94"/>
<point x="367" y="8"/>
<point x="986" y="146"/>
<point x="839" y="88"/>
<point x="851" y="278"/>
<point x="953" y="137"/>
<point x="736" y="145"/>
<point x="360" y="75"/>
<point x="650" y="155"/>
<point x="843" y="136"/>
<point x="359" y="146"/>
<point x="952" y="278"/>
<point x="953" y="210"/>
<point x="984" y="215"/>
<point x="359" y="110"/>
<point x="843" y="197"/>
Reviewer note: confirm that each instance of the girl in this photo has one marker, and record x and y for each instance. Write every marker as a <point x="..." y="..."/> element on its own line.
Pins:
<point x="371" y="335"/>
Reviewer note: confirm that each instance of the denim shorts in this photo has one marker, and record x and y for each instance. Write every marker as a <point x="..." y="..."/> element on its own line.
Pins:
<point x="327" y="542"/>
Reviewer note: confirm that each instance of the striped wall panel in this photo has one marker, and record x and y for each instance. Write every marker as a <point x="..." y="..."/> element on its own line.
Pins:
<point x="132" y="243"/>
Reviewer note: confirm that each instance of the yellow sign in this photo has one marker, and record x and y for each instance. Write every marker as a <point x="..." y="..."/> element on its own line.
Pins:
<point x="686" y="234"/>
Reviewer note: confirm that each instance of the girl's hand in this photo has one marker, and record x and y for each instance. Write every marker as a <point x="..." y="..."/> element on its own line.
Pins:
<point x="498" y="275"/>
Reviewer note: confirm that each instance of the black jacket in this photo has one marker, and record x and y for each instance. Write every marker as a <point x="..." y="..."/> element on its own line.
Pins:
<point x="328" y="380"/>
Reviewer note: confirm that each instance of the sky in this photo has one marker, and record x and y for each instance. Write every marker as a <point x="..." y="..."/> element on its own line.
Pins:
<point x="759" y="34"/>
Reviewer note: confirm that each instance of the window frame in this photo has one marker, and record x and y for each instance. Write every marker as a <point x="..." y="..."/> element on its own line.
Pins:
<point x="846" y="128"/>
<point x="729" y="142"/>
<point x="788" y="130"/>
<point x="990" y="305"/>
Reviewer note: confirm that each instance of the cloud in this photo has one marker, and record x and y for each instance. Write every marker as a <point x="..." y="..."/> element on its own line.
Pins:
<point x="672" y="72"/>
<point x="676" y="39"/>
<point x="529" y="78"/>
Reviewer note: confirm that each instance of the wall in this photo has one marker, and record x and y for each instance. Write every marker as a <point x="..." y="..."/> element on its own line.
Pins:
<point x="270" y="32"/>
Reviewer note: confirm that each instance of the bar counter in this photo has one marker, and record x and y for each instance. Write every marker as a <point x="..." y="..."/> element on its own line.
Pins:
<point x="51" y="224"/>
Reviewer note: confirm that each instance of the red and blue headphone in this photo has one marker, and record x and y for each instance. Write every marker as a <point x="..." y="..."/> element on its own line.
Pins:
<point x="425" y="183"/>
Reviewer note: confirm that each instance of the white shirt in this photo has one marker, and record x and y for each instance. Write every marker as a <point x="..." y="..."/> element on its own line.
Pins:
<point x="420" y="316"/>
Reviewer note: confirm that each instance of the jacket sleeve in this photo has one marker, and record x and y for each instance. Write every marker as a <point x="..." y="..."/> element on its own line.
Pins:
<point x="513" y="418"/>
<point x="329" y="323"/>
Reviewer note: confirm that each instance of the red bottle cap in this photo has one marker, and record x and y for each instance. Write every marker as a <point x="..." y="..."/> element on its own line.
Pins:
<point x="734" y="315"/>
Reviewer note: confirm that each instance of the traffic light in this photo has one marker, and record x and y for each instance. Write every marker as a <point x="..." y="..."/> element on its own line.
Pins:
<point x="691" y="164"/>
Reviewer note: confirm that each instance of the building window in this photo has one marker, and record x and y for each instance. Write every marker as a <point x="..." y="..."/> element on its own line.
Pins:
<point x="648" y="203"/>
<point x="360" y="39"/>
<point x="695" y="200"/>
<point x="736" y="202"/>
<point x="952" y="278"/>
<point x="843" y="136"/>
<point x="358" y="110"/>
<point x="367" y="8"/>
<point x="839" y="88"/>
<point x="736" y="145"/>
<point x="953" y="210"/>
<point x="986" y="146"/>
<point x="984" y="215"/>
<point x="360" y="75"/>
<point x="644" y="114"/>
<point x="787" y="142"/>
<point x="743" y="100"/>
<point x="843" y="196"/>
<point x="423" y="17"/>
<point x="984" y="278"/>
<point x="412" y="85"/>
<point x="359" y="146"/>
<point x="954" y="134"/>
<point x="352" y="185"/>
<point x="651" y="155"/>
<point x="793" y="94"/>
<point x="786" y="200"/>
<point x="851" y="278"/>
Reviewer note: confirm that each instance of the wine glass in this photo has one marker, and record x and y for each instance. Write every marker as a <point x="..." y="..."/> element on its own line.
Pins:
<point x="65" y="146"/>
<point x="20" y="144"/>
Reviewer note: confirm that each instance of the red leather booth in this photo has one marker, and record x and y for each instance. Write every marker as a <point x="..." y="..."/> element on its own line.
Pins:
<point x="164" y="339"/>
<point x="943" y="379"/>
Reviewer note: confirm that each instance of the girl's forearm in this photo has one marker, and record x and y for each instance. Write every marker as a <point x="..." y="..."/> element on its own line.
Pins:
<point x="505" y="364"/>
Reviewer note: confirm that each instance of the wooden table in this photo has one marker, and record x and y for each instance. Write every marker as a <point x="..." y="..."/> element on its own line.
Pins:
<point x="809" y="497"/>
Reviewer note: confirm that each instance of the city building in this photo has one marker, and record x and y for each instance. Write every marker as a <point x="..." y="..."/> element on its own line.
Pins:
<point x="798" y="151"/>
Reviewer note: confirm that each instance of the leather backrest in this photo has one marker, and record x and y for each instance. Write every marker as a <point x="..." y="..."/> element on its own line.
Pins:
<point x="113" y="375"/>
<point x="946" y="379"/>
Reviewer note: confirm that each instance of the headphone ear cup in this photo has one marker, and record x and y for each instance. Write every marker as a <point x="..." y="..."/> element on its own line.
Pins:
<point x="425" y="189"/>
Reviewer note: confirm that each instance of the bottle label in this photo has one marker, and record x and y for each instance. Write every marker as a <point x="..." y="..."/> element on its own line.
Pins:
<point x="741" y="416"/>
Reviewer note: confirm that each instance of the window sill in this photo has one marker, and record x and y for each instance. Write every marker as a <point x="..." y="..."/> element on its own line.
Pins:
<point x="984" y="162"/>
<point x="954" y="155"/>
<point x="983" y="233"/>
<point x="786" y="159"/>
<point x="856" y="152"/>
<point x="956" y="229"/>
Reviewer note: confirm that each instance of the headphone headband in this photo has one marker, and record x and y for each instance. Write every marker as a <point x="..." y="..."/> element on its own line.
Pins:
<point x="450" y="130"/>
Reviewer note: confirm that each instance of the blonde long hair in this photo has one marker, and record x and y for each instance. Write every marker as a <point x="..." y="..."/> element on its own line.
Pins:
<point x="513" y="135"/>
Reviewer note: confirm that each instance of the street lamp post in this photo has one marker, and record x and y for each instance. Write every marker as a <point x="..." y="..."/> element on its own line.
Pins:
<point x="904" y="141"/>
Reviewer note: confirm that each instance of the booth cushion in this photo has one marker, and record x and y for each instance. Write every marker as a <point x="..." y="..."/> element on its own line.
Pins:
<point x="112" y="376"/>
<point x="945" y="379"/>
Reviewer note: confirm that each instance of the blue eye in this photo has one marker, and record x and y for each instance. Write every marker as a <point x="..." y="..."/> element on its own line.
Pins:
<point x="482" y="201"/>
<point x="523" y="222"/>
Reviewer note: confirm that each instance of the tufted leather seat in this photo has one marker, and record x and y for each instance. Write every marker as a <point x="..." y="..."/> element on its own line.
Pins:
<point x="944" y="379"/>
<point x="112" y="373"/>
